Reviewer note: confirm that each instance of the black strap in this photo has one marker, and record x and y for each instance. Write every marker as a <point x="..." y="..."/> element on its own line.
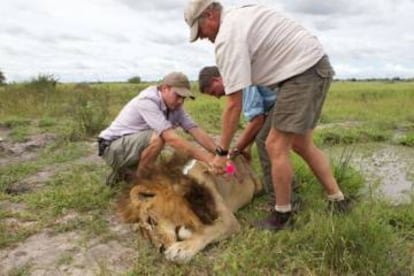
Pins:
<point x="102" y="145"/>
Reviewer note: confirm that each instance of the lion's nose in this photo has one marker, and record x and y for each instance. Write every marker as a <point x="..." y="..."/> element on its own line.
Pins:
<point x="162" y="249"/>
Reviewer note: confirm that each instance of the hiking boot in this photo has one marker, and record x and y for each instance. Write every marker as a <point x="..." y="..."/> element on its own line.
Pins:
<point x="275" y="221"/>
<point x="340" y="206"/>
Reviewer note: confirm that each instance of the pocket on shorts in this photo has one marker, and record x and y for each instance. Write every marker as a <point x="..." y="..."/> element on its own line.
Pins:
<point x="324" y="68"/>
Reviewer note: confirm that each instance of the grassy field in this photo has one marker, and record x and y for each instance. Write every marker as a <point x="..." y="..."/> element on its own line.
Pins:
<point x="376" y="238"/>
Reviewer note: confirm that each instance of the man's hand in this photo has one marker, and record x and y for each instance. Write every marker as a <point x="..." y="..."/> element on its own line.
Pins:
<point x="219" y="164"/>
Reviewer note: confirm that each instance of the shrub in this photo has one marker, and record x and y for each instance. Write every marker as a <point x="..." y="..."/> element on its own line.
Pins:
<point x="2" y="78"/>
<point x="135" y="79"/>
<point x="89" y="109"/>
<point x="43" y="82"/>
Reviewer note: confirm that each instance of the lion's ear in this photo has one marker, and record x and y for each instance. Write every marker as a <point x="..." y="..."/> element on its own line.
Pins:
<point x="145" y="195"/>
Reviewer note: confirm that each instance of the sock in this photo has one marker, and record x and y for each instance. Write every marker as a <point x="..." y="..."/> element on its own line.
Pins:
<point x="283" y="208"/>
<point x="338" y="196"/>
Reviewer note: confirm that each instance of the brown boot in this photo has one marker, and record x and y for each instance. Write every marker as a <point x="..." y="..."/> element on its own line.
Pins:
<point x="275" y="221"/>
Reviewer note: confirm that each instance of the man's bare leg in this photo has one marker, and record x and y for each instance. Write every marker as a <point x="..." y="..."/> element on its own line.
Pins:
<point x="278" y="145"/>
<point x="316" y="160"/>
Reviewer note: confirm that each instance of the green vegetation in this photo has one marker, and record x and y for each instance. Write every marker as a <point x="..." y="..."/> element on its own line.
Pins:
<point x="135" y="79"/>
<point x="2" y="78"/>
<point x="43" y="81"/>
<point x="376" y="238"/>
<point x="381" y="104"/>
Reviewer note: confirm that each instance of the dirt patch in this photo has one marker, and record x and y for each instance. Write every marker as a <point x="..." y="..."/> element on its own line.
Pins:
<point x="4" y="132"/>
<point x="345" y="125"/>
<point x="67" y="254"/>
<point x="37" y="180"/>
<point x="19" y="152"/>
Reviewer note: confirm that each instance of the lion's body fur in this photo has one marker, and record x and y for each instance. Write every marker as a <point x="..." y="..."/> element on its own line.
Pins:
<point x="166" y="204"/>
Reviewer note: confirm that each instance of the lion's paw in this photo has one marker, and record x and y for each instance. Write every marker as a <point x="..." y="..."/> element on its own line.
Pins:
<point x="181" y="252"/>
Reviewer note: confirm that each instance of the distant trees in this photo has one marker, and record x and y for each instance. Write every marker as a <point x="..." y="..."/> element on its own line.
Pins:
<point x="2" y="78"/>
<point x="135" y="79"/>
<point x="43" y="81"/>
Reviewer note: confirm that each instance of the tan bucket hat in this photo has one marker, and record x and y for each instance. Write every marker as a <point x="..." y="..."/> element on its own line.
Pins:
<point x="192" y="12"/>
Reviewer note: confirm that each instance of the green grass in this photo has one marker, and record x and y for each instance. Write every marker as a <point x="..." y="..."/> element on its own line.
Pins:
<point x="80" y="189"/>
<point x="376" y="238"/>
<point x="406" y="139"/>
<point x="382" y="103"/>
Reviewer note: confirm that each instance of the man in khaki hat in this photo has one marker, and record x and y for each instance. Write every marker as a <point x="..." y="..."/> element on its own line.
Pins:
<point x="146" y="123"/>
<point x="255" y="45"/>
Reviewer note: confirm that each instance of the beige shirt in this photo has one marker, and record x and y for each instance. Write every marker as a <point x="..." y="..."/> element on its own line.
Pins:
<point x="256" y="45"/>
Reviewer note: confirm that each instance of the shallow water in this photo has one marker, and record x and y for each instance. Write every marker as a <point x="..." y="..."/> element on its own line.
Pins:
<point x="386" y="168"/>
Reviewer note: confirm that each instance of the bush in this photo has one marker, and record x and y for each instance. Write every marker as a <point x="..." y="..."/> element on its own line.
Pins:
<point x="43" y="81"/>
<point x="2" y="78"/>
<point x="89" y="109"/>
<point x="135" y="79"/>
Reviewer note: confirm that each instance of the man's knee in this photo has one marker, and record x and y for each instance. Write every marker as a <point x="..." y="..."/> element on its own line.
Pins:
<point x="278" y="142"/>
<point x="303" y="144"/>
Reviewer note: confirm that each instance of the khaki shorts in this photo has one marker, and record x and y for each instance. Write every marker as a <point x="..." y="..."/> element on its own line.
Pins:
<point x="300" y="98"/>
<point x="125" y="152"/>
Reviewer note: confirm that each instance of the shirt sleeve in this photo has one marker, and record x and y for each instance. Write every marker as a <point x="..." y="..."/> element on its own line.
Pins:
<point x="153" y="116"/>
<point x="253" y="104"/>
<point x="184" y="119"/>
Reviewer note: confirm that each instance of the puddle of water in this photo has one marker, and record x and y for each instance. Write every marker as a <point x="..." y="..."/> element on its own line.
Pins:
<point x="386" y="168"/>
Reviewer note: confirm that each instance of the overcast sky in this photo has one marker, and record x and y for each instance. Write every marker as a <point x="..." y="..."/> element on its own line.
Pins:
<point x="113" y="40"/>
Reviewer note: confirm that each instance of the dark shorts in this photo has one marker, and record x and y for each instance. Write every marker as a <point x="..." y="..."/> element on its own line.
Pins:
<point x="300" y="98"/>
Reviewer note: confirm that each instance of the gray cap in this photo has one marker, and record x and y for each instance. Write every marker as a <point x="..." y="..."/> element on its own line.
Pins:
<point x="192" y="11"/>
<point x="180" y="83"/>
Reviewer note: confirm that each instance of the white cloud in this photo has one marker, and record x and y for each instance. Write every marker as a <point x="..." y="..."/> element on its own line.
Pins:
<point x="89" y="40"/>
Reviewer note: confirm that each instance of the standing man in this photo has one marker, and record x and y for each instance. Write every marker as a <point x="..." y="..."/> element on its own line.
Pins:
<point x="258" y="103"/>
<point x="146" y="123"/>
<point x="257" y="45"/>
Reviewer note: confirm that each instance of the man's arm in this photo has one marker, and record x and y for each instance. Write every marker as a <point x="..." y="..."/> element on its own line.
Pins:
<point x="256" y="103"/>
<point x="250" y="132"/>
<point x="231" y="117"/>
<point x="203" y="139"/>
<point x="172" y="139"/>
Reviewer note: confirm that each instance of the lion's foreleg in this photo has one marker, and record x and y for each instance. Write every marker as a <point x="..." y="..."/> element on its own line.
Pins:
<point x="223" y="227"/>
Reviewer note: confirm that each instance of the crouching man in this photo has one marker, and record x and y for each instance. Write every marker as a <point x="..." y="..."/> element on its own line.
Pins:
<point x="146" y="124"/>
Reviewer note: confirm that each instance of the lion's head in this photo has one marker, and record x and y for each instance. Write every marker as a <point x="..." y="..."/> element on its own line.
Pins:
<point x="168" y="205"/>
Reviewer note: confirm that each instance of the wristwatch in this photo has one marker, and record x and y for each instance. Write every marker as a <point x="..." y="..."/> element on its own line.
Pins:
<point x="221" y="152"/>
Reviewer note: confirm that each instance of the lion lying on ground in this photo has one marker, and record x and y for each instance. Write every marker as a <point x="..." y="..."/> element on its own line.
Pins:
<point x="182" y="207"/>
